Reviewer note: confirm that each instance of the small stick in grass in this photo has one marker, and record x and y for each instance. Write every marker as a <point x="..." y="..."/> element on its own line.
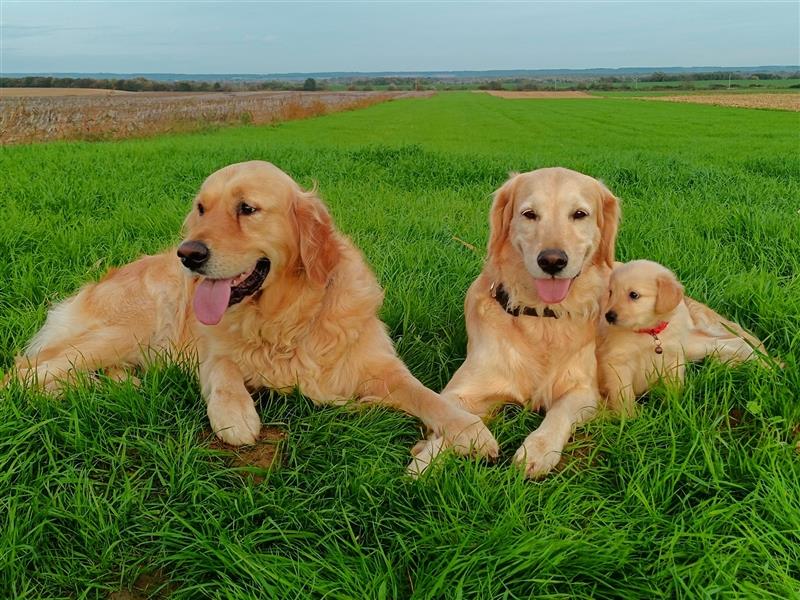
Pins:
<point x="465" y="244"/>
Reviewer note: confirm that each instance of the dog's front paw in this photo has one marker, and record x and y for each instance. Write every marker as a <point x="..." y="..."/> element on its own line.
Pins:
<point x="467" y="434"/>
<point x="235" y="423"/>
<point x="538" y="455"/>
<point x="424" y="453"/>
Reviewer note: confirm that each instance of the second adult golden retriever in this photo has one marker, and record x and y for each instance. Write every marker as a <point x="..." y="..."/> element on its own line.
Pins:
<point x="267" y="294"/>
<point x="532" y="313"/>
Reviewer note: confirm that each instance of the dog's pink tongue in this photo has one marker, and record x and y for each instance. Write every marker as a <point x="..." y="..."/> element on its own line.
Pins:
<point x="552" y="291"/>
<point x="211" y="299"/>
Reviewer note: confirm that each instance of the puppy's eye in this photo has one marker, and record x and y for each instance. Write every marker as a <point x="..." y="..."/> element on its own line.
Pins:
<point x="246" y="209"/>
<point x="634" y="295"/>
<point x="201" y="209"/>
<point x="579" y="214"/>
<point x="529" y="214"/>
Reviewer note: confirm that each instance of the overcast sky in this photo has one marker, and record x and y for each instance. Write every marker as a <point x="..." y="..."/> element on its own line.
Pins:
<point x="277" y="37"/>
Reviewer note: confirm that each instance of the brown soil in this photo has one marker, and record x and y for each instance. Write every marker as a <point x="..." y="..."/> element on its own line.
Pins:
<point x="151" y="586"/>
<point x="253" y="460"/>
<point x="524" y="95"/>
<point x="578" y="453"/>
<point x="779" y="101"/>
<point x="43" y="117"/>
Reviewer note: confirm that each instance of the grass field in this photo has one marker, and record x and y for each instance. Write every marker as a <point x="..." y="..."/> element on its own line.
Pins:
<point x="697" y="498"/>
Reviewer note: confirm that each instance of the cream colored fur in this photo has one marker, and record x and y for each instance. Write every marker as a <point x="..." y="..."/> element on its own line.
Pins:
<point x="627" y="361"/>
<point x="313" y="324"/>
<point x="538" y="362"/>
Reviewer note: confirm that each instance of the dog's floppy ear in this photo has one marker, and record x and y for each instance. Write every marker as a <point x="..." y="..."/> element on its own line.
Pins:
<point x="608" y="221"/>
<point x="500" y="215"/>
<point x="319" y="249"/>
<point x="669" y="293"/>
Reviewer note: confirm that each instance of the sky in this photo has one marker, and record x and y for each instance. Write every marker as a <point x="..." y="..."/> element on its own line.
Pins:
<point x="281" y="37"/>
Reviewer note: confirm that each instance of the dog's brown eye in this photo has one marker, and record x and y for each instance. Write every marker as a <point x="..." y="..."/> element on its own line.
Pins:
<point x="634" y="295"/>
<point x="201" y="209"/>
<point x="529" y="214"/>
<point x="246" y="209"/>
<point x="580" y="214"/>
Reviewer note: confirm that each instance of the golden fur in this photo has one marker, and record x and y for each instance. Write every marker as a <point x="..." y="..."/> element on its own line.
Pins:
<point x="312" y="325"/>
<point x="535" y="361"/>
<point x="627" y="362"/>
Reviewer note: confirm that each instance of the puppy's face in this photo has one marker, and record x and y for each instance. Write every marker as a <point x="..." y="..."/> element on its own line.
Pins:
<point x="641" y="295"/>
<point x="560" y="222"/>
<point x="249" y="220"/>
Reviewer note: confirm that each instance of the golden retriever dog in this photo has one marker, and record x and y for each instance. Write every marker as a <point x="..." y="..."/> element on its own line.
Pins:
<point x="651" y="330"/>
<point x="266" y="294"/>
<point x="532" y="313"/>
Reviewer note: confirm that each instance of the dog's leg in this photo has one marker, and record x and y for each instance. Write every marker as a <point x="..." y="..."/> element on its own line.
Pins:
<point x="616" y="386"/>
<point x="231" y="409"/>
<point x="727" y="349"/>
<point x="56" y="364"/>
<point x="466" y="390"/>
<point x="541" y="450"/>
<point x="462" y="430"/>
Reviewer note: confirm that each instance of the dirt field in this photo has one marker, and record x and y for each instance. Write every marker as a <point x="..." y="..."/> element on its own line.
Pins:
<point x="525" y="95"/>
<point x="789" y="101"/>
<point x="41" y="117"/>
<point x="39" y="92"/>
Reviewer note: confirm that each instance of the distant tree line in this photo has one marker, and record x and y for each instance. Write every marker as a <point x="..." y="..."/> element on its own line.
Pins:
<point x="629" y="82"/>
<point x="716" y="75"/>
<point x="141" y="84"/>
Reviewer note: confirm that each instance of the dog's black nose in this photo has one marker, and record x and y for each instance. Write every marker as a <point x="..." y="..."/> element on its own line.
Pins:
<point x="193" y="254"/>
<point x="552" y="261"/>
<point x="611" y="317"/>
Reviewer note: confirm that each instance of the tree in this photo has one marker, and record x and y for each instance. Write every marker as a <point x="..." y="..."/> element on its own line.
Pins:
<point x="310" y="85"/>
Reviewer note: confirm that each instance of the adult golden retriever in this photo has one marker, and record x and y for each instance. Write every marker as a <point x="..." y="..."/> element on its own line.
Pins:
<point x="267" y="294"/>
<point x="532" y="313"/>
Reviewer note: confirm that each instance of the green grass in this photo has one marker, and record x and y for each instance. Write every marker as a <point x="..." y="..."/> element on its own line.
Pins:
<point x="699" y="497"/>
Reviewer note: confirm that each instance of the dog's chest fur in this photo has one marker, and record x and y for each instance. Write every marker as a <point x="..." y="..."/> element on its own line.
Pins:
<point x="533" y="360"/>
<point x="635" y="352"/>
<point x="311" y="339"/>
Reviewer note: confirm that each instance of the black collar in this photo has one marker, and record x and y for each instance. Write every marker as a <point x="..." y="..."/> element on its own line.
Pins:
<point x="499" y="294"/>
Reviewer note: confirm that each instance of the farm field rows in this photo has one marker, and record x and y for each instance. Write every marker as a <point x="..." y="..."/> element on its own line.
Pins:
<point x="788" y="101"/>
<point x="700" y="496"/>
<point x="46" y="114"/>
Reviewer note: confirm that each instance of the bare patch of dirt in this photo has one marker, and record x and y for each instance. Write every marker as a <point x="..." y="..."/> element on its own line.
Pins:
<point x="735" y="417"/>
<point x="253" y="460"/>
<point x="578" y="453"/>
<point x="778" y="101"/>
<point x="524" y="95"/>
<point x="151" y="586"/>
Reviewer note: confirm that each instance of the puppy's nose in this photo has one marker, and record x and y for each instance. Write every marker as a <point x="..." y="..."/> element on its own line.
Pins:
<point x="611" y="317"/>
<point x="193" y="254"/>
<point x="552" y="260"/>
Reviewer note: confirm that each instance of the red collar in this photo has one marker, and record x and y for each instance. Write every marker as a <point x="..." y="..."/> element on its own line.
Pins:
<point x="655" y="330"/>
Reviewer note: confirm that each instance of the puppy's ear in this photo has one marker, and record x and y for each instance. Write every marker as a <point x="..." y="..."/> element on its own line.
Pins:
<point x="500" y="216"/>
<point x="319" y="249"/>
<point x="669" y="294"/>
<point x="608" y="221"/>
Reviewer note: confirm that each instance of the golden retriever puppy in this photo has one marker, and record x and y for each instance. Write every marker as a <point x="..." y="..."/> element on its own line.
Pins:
<point x="533" y="312"/>
<point x="267" y="294"/>
<point x="651" y="330"/>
